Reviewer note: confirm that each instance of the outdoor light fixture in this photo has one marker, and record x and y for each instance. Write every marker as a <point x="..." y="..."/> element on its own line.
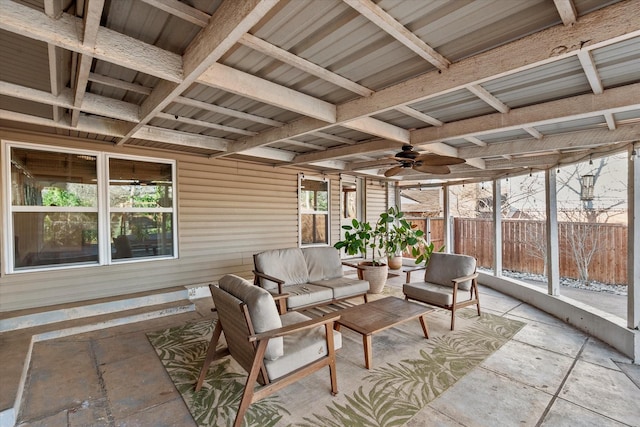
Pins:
<point x="586" y="192"/>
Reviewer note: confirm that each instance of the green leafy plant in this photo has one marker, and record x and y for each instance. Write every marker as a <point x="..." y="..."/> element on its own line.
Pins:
<point x="400" y="234"/>
<point x="423" y="253"/>
<point x="360" y="236"/>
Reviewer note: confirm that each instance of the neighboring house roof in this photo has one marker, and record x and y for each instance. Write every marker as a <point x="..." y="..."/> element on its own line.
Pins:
<point x="331" y="85"/>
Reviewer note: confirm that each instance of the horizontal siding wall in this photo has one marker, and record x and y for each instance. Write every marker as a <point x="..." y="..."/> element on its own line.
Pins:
<point x="227" y="211"/>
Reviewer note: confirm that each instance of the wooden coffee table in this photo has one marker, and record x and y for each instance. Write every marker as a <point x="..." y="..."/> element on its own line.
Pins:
<point x="373" y="317"/>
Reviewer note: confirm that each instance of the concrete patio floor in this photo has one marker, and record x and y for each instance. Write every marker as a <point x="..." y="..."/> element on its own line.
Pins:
<point x="549" y="374"/>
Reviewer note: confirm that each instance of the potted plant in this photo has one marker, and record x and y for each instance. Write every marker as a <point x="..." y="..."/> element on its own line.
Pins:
<point x="400" y="236"/>
<point x="359" y="237"/>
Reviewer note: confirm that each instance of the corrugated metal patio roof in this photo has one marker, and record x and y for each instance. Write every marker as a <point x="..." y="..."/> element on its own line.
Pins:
<point x="329" y="84"/>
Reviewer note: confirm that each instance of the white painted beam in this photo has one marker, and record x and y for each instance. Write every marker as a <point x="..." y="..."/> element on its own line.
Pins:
<point x="226" y="26"/>
<point x="180" y="138"/>
<point x="476" y="141"/>
<point x="533" y="132"/>
<point x="339" y="152"/>
<point x="227" y="111"/>
<point x="335" y="138"/>
<point x="110" y="45"/>
<point x="419" y="115"/>
<point x="567" y="11"/>
<point x="378" y="128"/>
<point x="573" y="140"/>
<point x="489" y="98"/>
<point x="119" y="84"/>
<point x="603" y="27"/>
<point x="181" y="10"/>
<point x="611" y="121"/>
<point x="395" y="29"/>
<point x="590" y="70"/>
<point x="577" y="107"/>
<point x="244" y="84"/>
<point x="204" y="124"/>
<point x="282" y="55"/>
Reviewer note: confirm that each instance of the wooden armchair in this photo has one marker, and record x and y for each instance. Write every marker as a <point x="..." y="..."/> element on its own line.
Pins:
<point x="445" y="276"/>
<point x="275" y="350"/>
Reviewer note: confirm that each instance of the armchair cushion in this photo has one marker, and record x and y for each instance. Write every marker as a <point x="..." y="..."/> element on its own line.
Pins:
<point x="322" y="263"/>
<point x="443" y="267"/>
<point x="439" y="295"/>
<point x="262" y="310"/>
<point x="300" y="348"/>
<point x="287" y="264"/>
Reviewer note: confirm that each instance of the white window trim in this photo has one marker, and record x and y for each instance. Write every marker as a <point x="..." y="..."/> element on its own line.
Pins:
<point x="302" y="211"/>
<point x="103" y="209"/>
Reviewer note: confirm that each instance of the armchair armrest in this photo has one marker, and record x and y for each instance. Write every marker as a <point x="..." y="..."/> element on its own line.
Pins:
<point x="297" y="327"/>
<point x="464" y="278"/>
<point x="280" y="282"/>
<point x="352" y="265"/>
<point x="410" y="269"/>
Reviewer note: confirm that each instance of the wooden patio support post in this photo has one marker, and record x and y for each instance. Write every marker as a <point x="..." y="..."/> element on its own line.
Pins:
<point x="497" y="228"/>
<point x="633" y="262"/>
<point x="551" y="224"/>
<point x="446" y="212"/>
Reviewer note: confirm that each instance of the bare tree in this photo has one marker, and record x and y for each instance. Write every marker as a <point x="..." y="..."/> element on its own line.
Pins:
<point x="584" y="231"/>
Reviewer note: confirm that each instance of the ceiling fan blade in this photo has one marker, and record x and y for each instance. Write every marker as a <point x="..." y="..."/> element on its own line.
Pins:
<point x="437" y="169"/>
<point x="438" y="160"/>
<point x="393" y="171"/>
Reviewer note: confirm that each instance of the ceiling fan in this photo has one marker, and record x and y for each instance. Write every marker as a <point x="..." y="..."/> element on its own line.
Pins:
<point x="426" y="162"/>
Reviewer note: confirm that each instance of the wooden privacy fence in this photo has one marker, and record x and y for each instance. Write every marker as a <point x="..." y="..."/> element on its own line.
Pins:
<point x="524" y="245"/>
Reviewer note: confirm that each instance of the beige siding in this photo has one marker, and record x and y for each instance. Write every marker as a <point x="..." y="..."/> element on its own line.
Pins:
<point x="376" y="199"/>
<point x="227" y="211"/>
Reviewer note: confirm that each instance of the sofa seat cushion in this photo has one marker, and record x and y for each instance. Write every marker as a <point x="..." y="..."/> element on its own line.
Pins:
<point x="322" y="263"/>
<point x="287" y="265"/>
<point x="300" y="348"/>
<point x="307" y="294"/>
<point x="432" y="293"/>
<point x="344" y="287"/>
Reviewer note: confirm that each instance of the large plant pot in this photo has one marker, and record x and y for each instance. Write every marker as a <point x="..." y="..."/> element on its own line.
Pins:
<point x="394" y="262"/>
<point x="376" y="275"/>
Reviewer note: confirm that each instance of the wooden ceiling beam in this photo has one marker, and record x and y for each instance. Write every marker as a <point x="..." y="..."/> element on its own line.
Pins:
<point x="577" y="107"/>
<point x="567" y="11"/>
<point x="488" y="97"/>
<point x="378" y="128"/>
<point x="603" y="27"/>
<point x="395" y="29"/>
<point x="229" y="22"/>
<point x="404" y="109"/>
<point x="119" y="84"/>
<point x="181" y="10"/>
<point x="572" y="140"/>
<point x="244" y="84"/>
<point x="91" y="25"/>
<point x="282" y="55"/>
<point x="590" y="70"/>
<point x="340" y="152"/>
<point x="110" y="45"/>
<point x="227" y="111"/>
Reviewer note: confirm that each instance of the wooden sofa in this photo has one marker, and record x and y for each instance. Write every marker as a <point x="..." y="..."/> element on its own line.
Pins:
<point x="446" y="277"/>
<point x="308" y="276"/>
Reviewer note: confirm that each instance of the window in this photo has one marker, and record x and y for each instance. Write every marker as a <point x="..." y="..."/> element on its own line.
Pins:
<point x="314" y="212"/>
<point x="57" y="216"/>
<point x="140" y="208"/>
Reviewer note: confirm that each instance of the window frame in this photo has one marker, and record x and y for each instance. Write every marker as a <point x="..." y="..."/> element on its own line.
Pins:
<point x="302" y="211"/>
<point x="102" y="208"/>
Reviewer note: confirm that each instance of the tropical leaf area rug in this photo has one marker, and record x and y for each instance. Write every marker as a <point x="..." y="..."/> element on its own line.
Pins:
<point x="408" y="372"/>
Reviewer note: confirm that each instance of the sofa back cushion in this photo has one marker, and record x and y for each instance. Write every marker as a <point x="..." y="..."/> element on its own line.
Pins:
<point x="285" y="264"/>
<point x="262" y="309"/>
<point x="442" y="268"/>
<point x="323" y="263"/>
